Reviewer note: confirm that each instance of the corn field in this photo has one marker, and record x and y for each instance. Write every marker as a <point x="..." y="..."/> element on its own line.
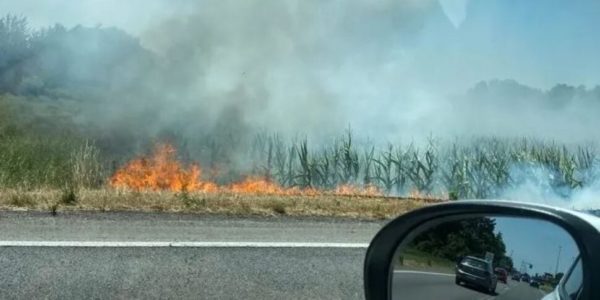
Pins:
<point x="479" y="168"/>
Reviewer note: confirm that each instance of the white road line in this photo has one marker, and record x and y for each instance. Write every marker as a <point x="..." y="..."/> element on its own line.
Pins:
<point x="424" y="273"/>
<point x="123" y="244"/>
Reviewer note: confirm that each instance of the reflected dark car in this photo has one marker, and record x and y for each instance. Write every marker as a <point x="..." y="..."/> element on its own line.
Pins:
<point x="525" y="278"/>
<point x="534" y="283"/>
<point x="502" y="275"/>
<point x="516" y="277"/>
<point x="477" y="272"/>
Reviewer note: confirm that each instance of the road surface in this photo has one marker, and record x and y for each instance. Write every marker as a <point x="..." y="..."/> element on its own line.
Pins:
<point x="430" y="285"/>
<point x="179" y="227"/>
<point x="166" y="256"/>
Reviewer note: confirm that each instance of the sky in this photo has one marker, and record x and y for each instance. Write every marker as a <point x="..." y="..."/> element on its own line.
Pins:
<point x="538" y="42"/>
<point x="537" y="242"/>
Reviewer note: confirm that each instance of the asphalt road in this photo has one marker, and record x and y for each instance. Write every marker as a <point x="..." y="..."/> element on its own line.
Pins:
<point x="15" y="226"/>
<point x="426" y="285"/>
<point x="199" y="272"/>
<point x="180" y="273"/>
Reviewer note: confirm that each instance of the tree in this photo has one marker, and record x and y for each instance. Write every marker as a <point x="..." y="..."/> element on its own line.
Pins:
<point x="560" y="95"/>
<point x="505" y="262"/>
<point x="558" y="276"/>
<point x="474" y="236"/>
<point x="56" y="57"/>
<point x="14" y="51"/>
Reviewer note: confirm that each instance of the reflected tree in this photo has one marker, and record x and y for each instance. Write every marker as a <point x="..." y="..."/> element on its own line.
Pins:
<point x="455" y="239"/>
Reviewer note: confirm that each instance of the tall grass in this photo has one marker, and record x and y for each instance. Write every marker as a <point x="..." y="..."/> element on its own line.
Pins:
<point x="28" y="162"/>
<point x="480" y="168"/>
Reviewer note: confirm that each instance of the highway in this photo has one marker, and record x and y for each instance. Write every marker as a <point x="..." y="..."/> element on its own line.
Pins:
<point x="170" y="256"/>
<point x="174" y="256"/>
<point x="431" y="285"/>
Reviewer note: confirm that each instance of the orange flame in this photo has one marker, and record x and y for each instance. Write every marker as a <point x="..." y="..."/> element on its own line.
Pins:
<point x="162" y="171"/>
<point x="346" y="189"/>
<point x="253" y="185"/>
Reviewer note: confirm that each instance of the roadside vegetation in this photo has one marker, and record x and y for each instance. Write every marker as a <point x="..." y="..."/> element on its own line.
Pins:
<point x="103" y="200"/>
<point x="414" y="259"/>
<point x="441" y="247"/>
<point x="59" y="147"/>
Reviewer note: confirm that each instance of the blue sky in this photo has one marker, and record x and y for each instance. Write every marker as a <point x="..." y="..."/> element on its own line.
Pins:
<point x="537" y="242"/>
<point x="536" y="42"/>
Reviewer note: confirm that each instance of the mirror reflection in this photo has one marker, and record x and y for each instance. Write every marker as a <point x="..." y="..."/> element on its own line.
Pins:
<point x="487" y="258"/>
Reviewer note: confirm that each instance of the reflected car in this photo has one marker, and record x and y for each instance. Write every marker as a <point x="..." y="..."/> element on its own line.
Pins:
<point x="516" y="277"/>
<point x="502" y="275"/>
<point x="525" y="278"/>
<point x="534" y="283"/>
<point x="477" y="272"/>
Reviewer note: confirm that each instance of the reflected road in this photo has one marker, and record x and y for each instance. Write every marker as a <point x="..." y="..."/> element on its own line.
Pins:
<point x="431" y="285"/>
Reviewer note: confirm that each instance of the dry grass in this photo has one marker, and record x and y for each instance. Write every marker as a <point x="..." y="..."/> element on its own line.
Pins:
<point x="231" y="204"/>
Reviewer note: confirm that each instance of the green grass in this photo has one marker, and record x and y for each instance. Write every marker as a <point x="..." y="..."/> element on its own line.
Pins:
<point x="42" y="147"/>
<point x="38" y="161"/>
<point x="417" y="260"/>
<point x="444" y="171"/>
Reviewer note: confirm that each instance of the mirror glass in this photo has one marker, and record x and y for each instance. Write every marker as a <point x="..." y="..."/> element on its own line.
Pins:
<point x="487" y="257"/>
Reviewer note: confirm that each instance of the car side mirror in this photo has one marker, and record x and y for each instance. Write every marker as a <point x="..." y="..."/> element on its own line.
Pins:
<point x="447" y="249"/>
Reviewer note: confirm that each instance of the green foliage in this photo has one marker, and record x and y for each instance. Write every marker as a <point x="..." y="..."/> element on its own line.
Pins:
<point x="454" y="239"/>
<point x="32" y="155"/>
<point x="14" y="51"/>
<point x="46" y="139"/>
<point x="41" y="146"/>
<point x="482" y="168"/>
<point x="35" y="62"/>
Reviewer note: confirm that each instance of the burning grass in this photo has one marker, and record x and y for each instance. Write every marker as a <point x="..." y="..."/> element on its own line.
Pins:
<point x="484" y="168"/>
<point x="160" y="182"/>
<point x="326" y="205"/>
<point x="161" y="171"/>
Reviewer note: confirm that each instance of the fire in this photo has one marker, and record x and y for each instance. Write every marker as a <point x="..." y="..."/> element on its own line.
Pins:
<point x="253" y="185"/>
<point x="347" y="189"/>
<point x="162" y="171"/>
<point x="261" y="186"/>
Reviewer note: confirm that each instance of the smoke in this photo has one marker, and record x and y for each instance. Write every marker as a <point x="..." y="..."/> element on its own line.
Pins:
<point x="538" y="184"/>
<point x="389" y="69"/>
<point x="579" y="199"/>
<point x="317" y="67"/>
<point x="296" y="66"/>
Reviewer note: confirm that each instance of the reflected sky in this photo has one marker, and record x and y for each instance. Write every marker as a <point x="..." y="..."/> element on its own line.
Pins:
<point x="537" y="242"/>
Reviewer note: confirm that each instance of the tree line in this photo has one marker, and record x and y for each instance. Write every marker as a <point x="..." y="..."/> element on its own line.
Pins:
<point x="453" y="240"/>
